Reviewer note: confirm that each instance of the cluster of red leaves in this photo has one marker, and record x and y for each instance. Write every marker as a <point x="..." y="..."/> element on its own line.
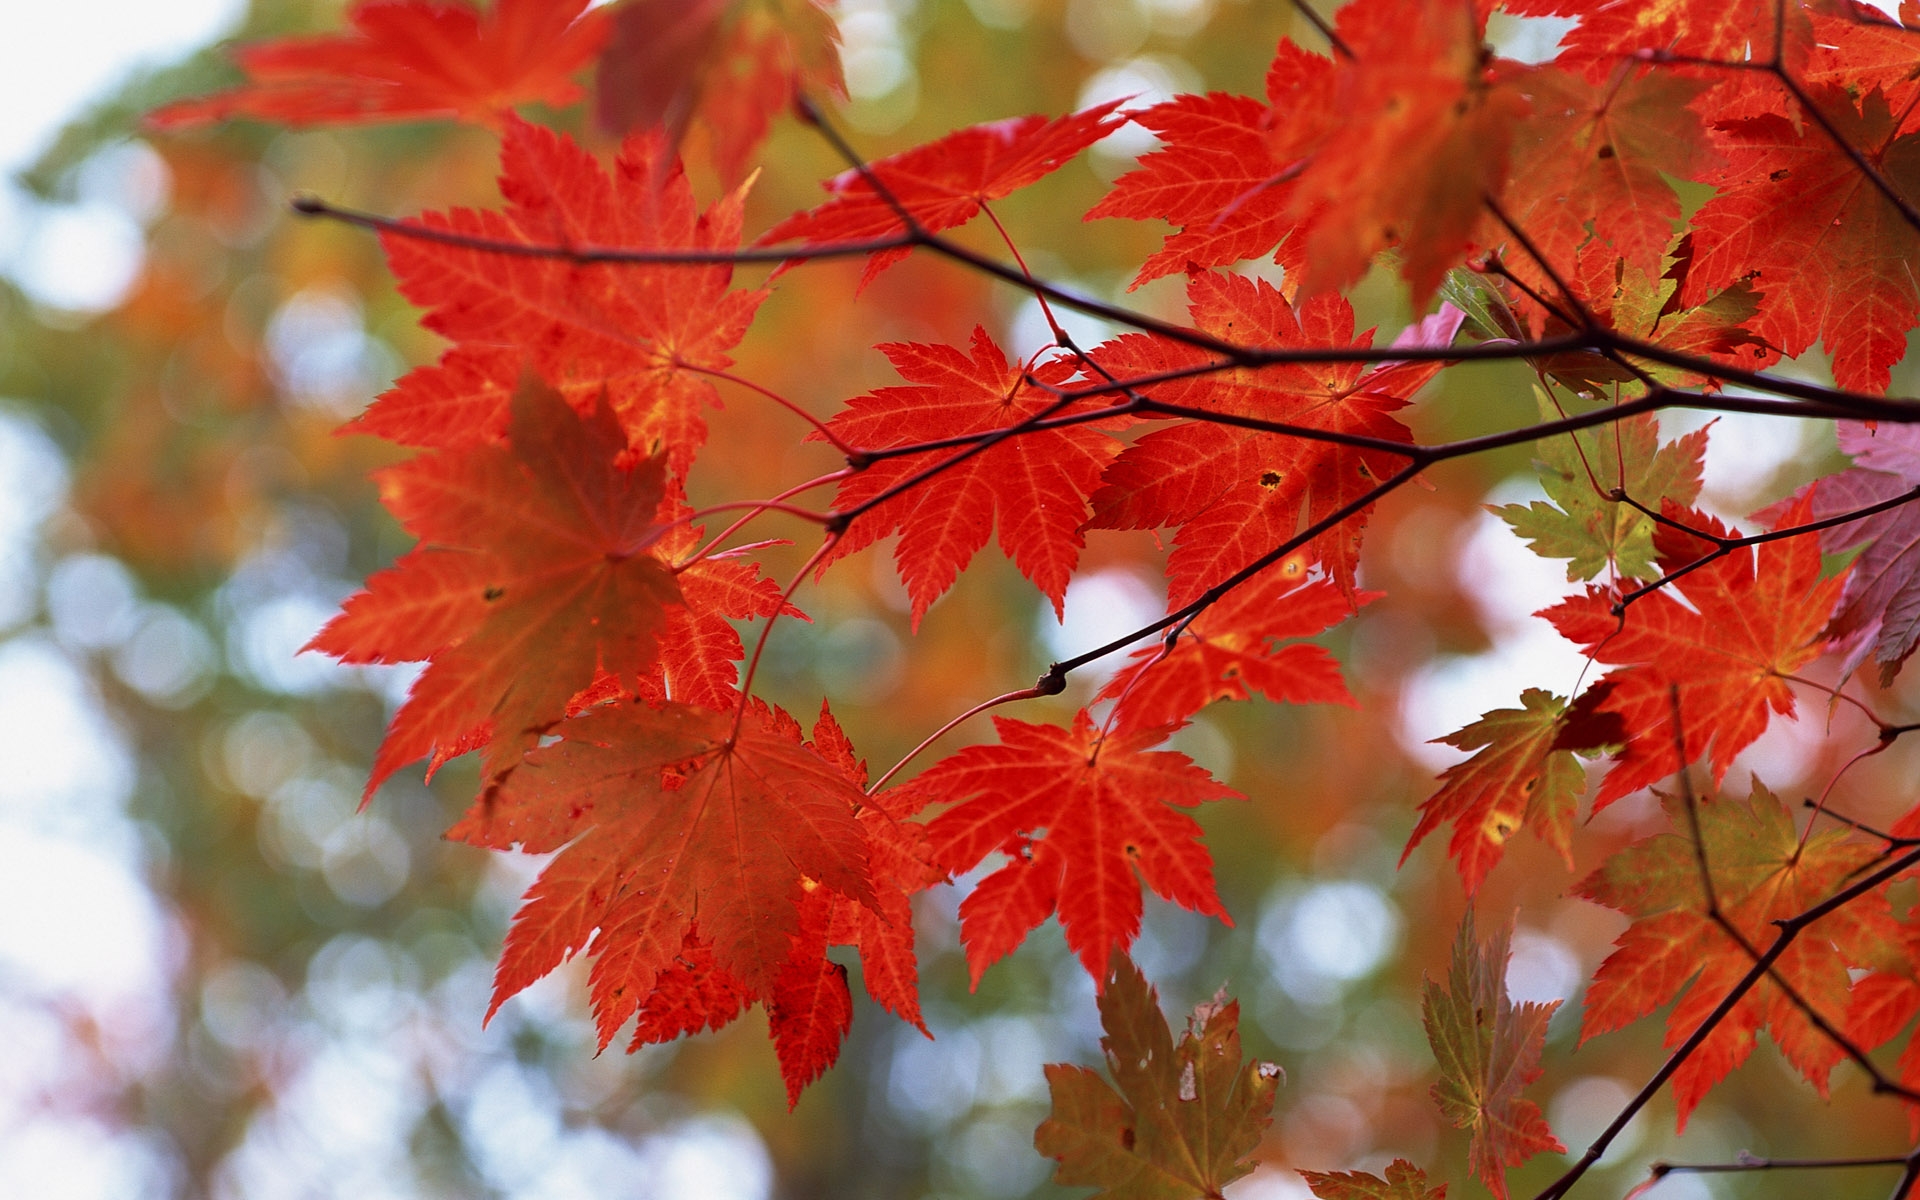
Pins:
<point x="709" y="854"/>
<point x="1403" y="139"/>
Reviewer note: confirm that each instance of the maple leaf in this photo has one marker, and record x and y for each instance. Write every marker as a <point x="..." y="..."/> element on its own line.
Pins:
<point x="1033" y="486"/>
<point x="690" y="994"/>
<point x="1394" y="145"/>
<point x="1858" y="48"/>
<point x="410" y="60"/>
<point x="1728" y="30"/>
<point x="1489" y="1051"/>
<point x="1886" y="999"/>
<point x="1763" y="871"/>
<point x="535" y="572"/>
<point x="901" y="857"/>
<point x="670" y="825"/>
<point x="1219" y="175"/>
<point x="944" y="183"/>
<point x="1178" y="1121"/>
<point x="1517" y="779"/>
<point x="1578" y="470"/>
<point x="1618" y="295"/>
<point x="1591" y="162"/>
<point x="810" y="1007"/>
<point x="1422" y="140"/>
<point x="733" y="64"/>
<point x="1828" y="251"/>
<point x="1404" y="1181"/>
<point x="1232" y="650"/>
<point x="1749" y="620"/>
<point x="642" y="334"/>
<point x="699" y="643"/>
<point x="1237" y="493"/>
<point x="1080" y="814"/>
<point x="1879" y="612"/>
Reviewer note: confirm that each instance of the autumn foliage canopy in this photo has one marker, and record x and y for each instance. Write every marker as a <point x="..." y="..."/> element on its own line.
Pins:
<point x="1685" y="198"/>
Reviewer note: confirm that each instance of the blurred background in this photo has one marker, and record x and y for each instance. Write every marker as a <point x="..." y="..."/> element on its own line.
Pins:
<point x="217" y="978"/>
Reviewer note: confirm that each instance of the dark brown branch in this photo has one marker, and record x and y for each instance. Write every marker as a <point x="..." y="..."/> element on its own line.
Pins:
<point x="1748" y="1162"/>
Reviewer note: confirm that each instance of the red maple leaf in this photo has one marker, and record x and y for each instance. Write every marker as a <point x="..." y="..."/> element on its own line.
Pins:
<point x="1859" y="47"/>
<point x="536" y="572"/>
<point x="1749" y="620"/>
<point x="810" y="1008"/>
<point x="1223" y="172"/>
<point x="1593" y="163"/>
<point x="1608" y="33"/>
<point x="883" y="931"/>
<point x="691" y="856"/>
<point x="1079" y="813"/>
<point x="1884" y="1001"/>
<point x="1233" y="650"/>
<point x="1763" y="871"/>
<point x="1517" y="778"/>
<point x="410" y="60"/>
<point x="699" y="643"/>
<point x="641" y="334"/>
<point x="734" y="65"/>
<point x="1395" y="143"/>
<point x="1237" y="493"/>
<point x="1420" y="139"/>
<point x="945" y="182"/>
<point x="1034" y="485"/>
<point x="1827" y="250"/>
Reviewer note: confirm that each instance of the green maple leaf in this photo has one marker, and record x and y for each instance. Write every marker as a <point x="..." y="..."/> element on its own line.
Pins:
<point x="1489" y="1051"/>
<point x="1180" y="1121"/>
<point x="1578" y="471"/>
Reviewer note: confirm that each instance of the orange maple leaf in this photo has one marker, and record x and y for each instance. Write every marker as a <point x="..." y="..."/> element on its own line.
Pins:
<point x="1421" y="139"/>
<point x="1728" y="30"/>
<point x="1763" y="871"/>
<point x="1517" y="778"/>
<point x="410" y="60"/>
<point x="690" y="855"/>
<point x="536" y="571"/>
<point x="641" y="334"/>
<point x="1393" y="143"/>
<point x="1593" y="161"/>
